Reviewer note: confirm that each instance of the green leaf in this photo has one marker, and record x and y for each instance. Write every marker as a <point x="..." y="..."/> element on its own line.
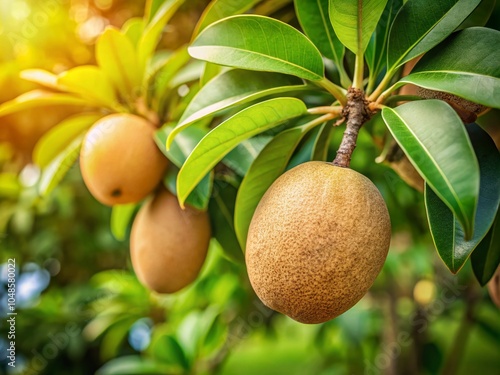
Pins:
<point x="354" y="21"/>
<point x="266" y="168"/>
<point x="232" y="88"/>
<point x="112" y="341"/>
<point x="159" y="80"/>
<point x="486" y="258"/>
<point x="446" y="231"/>
<point x="376" y="51"/>
<point x="153" y="30"/>
<point x="200" y="196"/>
<point x="10" y="187"/>
<point x="480" y="16"/>
<point x="131" y="365"/>
<point x="121" y="215"/>
<point x="177" y="154"/>
<point x="151" y="9"/>
<point x="315" y="21"/>
<point x="221" y="140"/>
<point x="57" y="169"/>
<point x="182" y="146"/>
<point x="53" y="142"/>
<point x="465" y="64"/>
<point x="433" y="137"/>
<point x="42" y="77"/>
<point x="133" y="29"/>
<point x="219" y="9"/>
<point x="38" y="98"/>
<point x="305" y="150"/>
<point x="243" y="155"/>
<point x="191" y="72"/>
<point x="210" y="72"/>
<point x="322" y="142"/>
<point x="421" y="25"/>
<point x="259" y="43"/>
<point x="91" y="83"/>
<point x="165" y="348"/>
<point x="221" y="211"/>
<point x="116" y="56"/>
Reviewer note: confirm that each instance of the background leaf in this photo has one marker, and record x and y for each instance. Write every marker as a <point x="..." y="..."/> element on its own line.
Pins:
<point x="182" y="146"/>
<point x="219" y="9"/>
<point x="232" y="88"/>
<point x="38" y="98"/>
<point x="322" y="142"/>
<point x="243" y="155"/>
<point x="42" y="77"/>
<point x="433" y="137"/>
<point x="354" y="21"/>
<point x="90" y="83"/>
<point x="117" y="58"/>
<point x="133" y="29"/>
<point x="421" y="25"/>
<point x="245" y="124"/>
<point x="486" y="257"/>
<point x="222" y="216"/>
<point x="159" y="80"/>
<point x="57" y="169"/>
<point x="131" y="365"/>
<point x="376" y="51"/>
<point x="447" y="233"/>
<point x="465" y="64"/>
<point x="60" y="136"/>
<point x="211" y="71"/>
<point x="315" y="21"/>
<point x="121" y="215"/>
<point x="238" y="42"/>
<point x="480" y="15"/>
<point x="153" y="30"/>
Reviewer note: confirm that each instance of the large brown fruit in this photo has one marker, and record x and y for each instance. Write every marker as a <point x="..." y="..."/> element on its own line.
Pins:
<point x="119" y="160"/>
<point x="168" y="245"/>
<point x="317" y="241"/>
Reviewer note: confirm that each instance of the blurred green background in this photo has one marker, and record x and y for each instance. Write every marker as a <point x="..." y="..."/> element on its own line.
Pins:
<point x="82" y="311"/>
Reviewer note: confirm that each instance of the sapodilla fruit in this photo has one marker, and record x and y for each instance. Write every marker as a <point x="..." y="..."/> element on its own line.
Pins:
<point x="317" y="241"/>
<point x="168" y="245"/>
<point x="119" y="159"/>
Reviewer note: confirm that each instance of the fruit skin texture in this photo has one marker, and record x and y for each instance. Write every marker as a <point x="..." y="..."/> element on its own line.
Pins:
<point x="119" y="159"/>
<point x="317" y="241"/>
<point x="168" y="245"/>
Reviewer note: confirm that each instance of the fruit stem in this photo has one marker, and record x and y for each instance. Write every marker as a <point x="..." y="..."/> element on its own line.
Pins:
<point x="357" y="112"/>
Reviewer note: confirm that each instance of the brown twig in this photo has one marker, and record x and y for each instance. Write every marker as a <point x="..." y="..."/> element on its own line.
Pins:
<point x="357" y="112"/>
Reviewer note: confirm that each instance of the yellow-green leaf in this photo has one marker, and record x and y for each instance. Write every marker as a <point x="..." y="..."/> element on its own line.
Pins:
<point x="91" y="83"/>
<point x="60" y="136"/>
<point x="55" y="171"/>
<point x="221" y="140"/>
<point x="42" y="77"/>
<point x="152" y="32"/>
<point x="117" y="58"/>
<point x="38" y="98"/>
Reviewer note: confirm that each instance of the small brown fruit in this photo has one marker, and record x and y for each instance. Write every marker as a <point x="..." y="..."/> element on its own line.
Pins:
<point x="467" y="110"/>
<point x="317" y="241"/>
<point x="168" y="245"/>
<point x="119" y="160"/>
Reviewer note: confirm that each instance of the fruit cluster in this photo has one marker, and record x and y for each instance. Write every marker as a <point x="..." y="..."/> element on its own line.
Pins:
<point x="120" y="164"/>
